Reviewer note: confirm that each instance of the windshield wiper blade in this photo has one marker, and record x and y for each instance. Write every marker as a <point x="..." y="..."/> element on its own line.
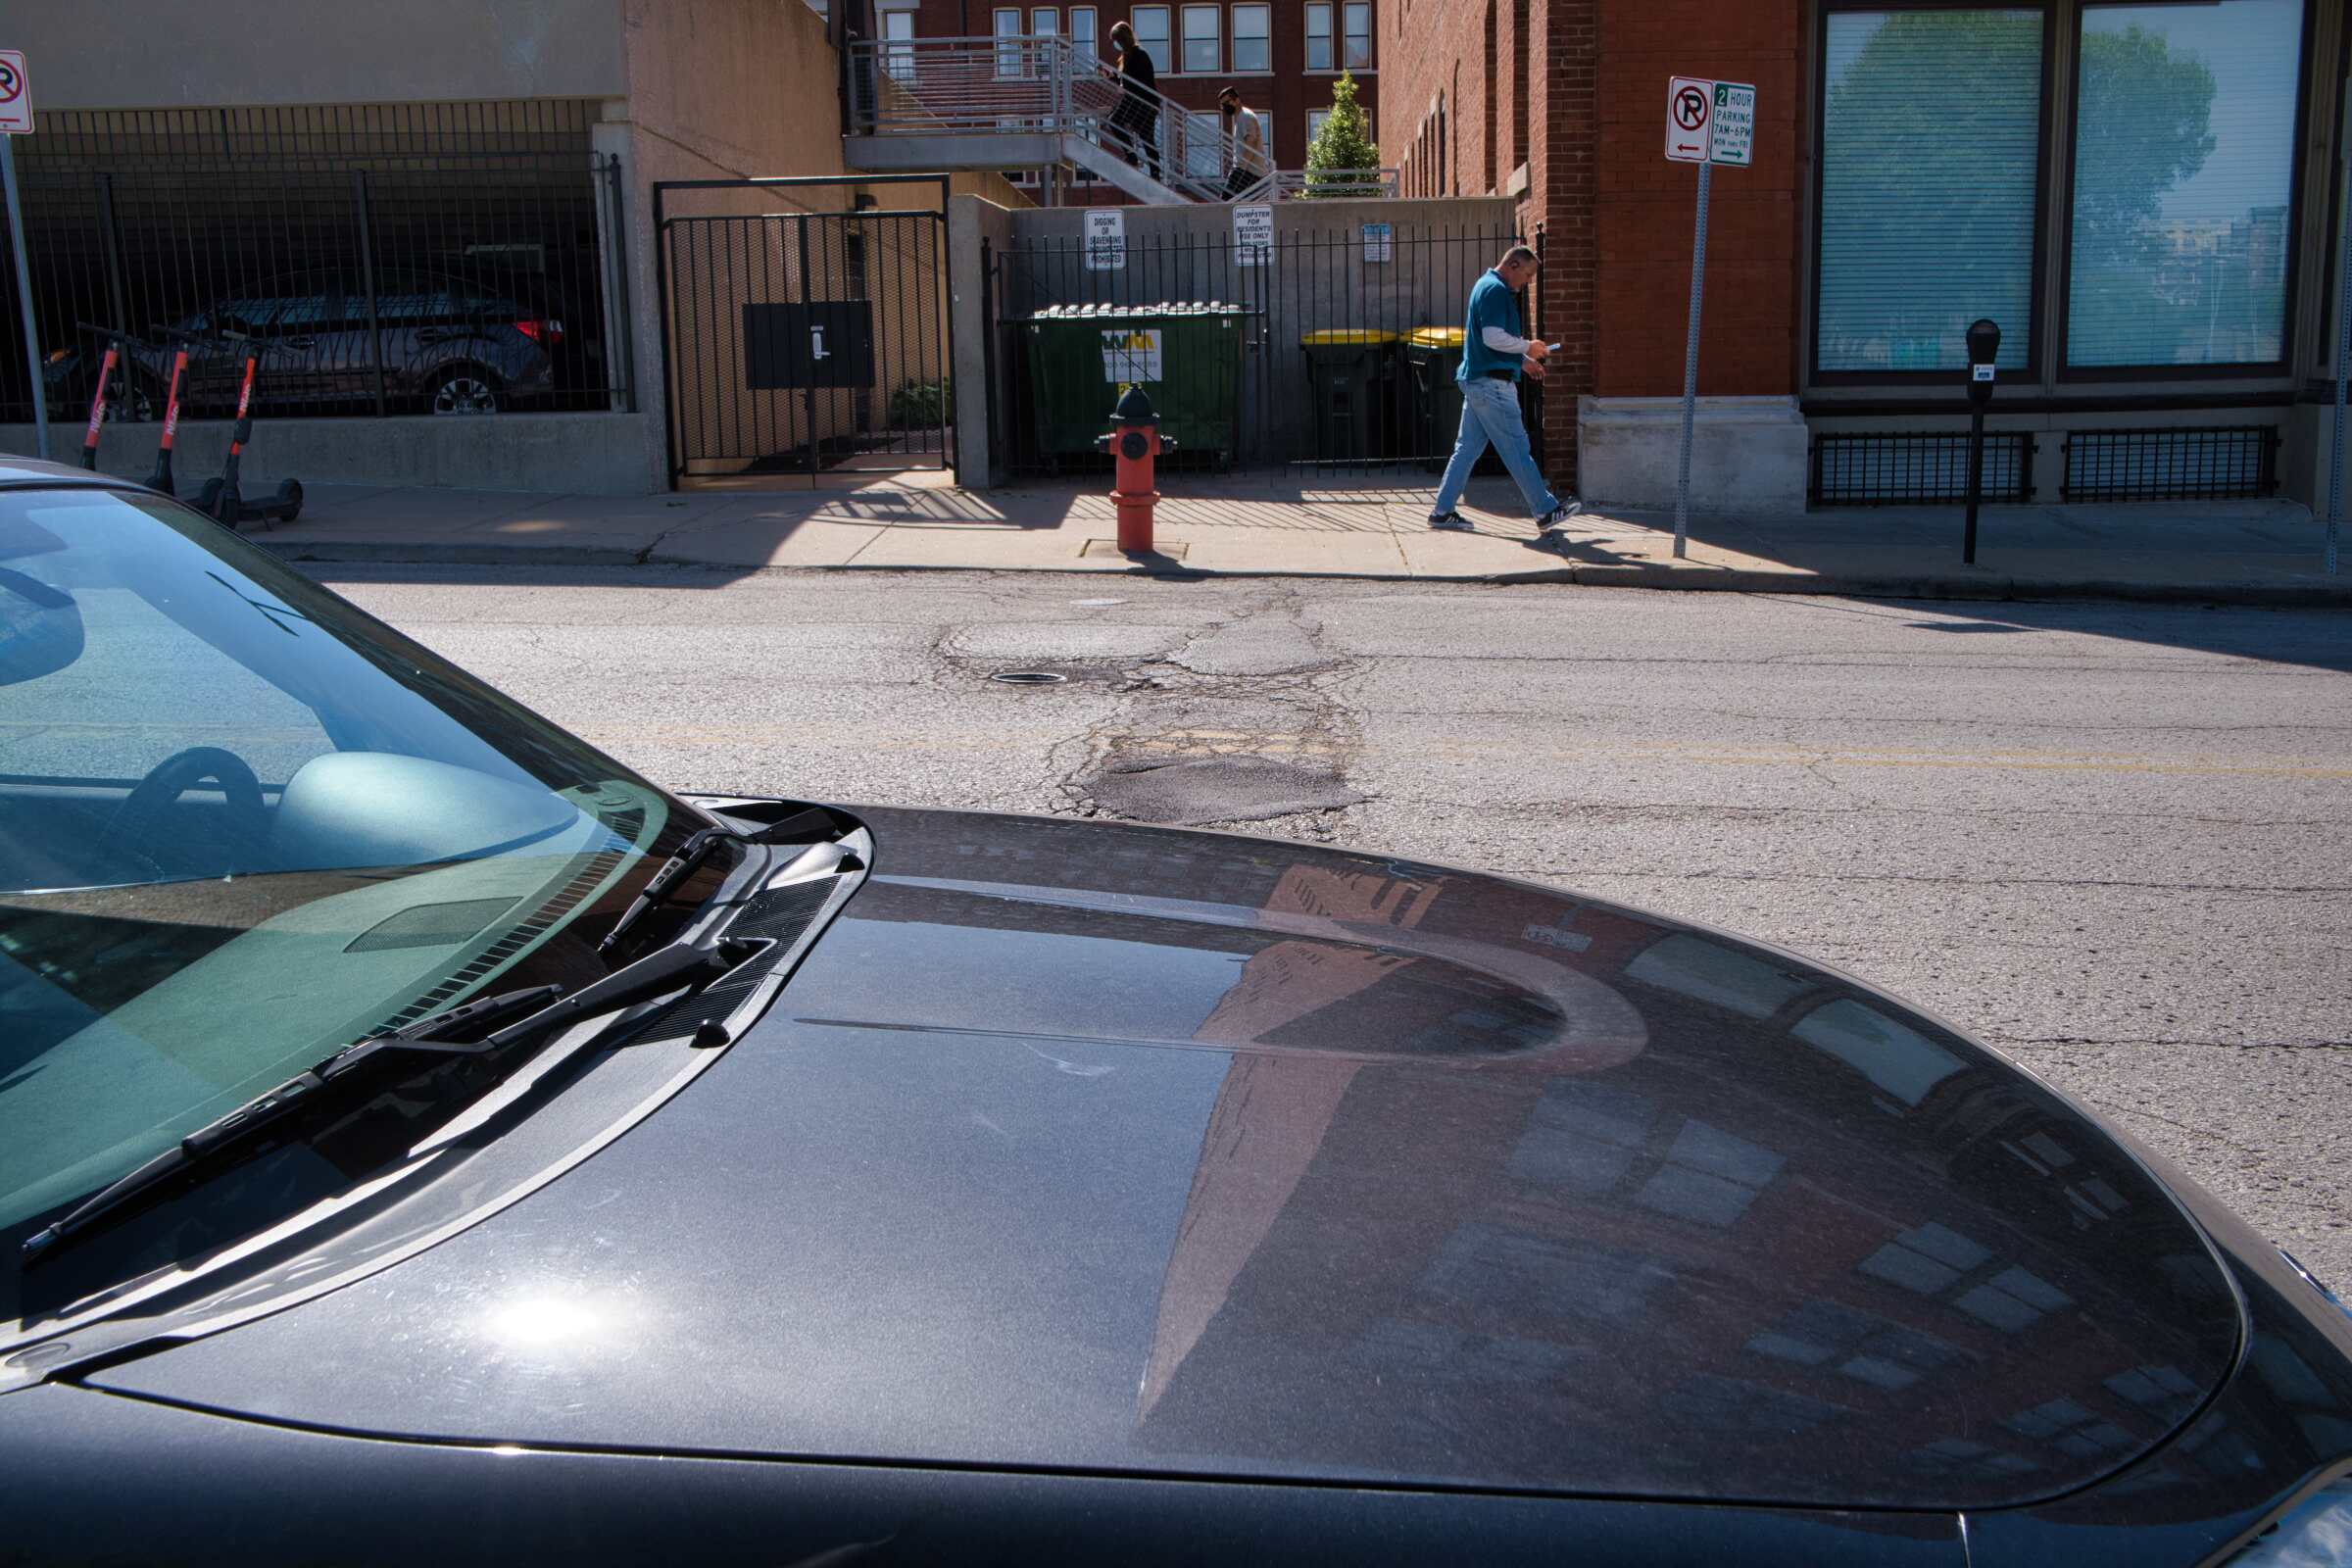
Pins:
<point x="339" y="1077"/>
<point x="689" y="856"/>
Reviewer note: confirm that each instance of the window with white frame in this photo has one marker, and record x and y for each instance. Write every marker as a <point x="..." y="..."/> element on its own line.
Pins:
<point x="1084" y="39"/>
<point x="1315" y="123"/>
<point x="1204" y="146"/>
<point x="1044" y="22"/>
<point x="1318" y="36"/>
<point x="1253" y="44"/>
<point x="897" y="53"/>
<point x="1357" y="54"/>
<point x="1008" y="48"/>
<point x="1151" y="24"/>
<point x="1204" y="51"/>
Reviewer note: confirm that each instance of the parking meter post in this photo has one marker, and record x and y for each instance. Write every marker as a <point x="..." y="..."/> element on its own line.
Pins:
<point x="1984" y="347"/>
<point x="1698" y="285"/>
<point x="32" y="342"/>
<point x="2343" y="368"/>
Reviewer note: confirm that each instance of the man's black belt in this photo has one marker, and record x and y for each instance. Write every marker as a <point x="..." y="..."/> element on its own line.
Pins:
<point x="1498" y="375"/>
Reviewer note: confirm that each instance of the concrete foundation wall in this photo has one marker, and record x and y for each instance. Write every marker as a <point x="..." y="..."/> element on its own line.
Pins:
<point x="566" y="453"/>
<point x="139" y="54"/>
<point x="1749" y="455"/>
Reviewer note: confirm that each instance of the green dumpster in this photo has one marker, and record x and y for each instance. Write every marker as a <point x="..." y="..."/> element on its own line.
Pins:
<point x="1347" y="375"/>
<point x="1186" y="356"/>
<point x="1432" y="413"/>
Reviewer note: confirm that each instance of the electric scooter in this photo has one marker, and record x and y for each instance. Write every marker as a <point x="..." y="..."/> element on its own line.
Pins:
<point x="220" y="497"/>
<point x="161" y="478"/>
<point x="106" y="376"/>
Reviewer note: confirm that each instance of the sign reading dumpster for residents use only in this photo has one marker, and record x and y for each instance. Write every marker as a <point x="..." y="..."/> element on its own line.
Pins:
<point x="1254" y="236"/>
<point x="1106" y="239"/>
<point x="1131" y="355"/>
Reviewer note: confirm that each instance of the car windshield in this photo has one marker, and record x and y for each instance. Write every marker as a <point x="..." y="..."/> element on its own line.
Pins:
<point x="242" y="824"/>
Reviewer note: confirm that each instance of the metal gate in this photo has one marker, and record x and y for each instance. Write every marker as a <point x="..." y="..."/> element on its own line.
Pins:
<point x="800" y="338"/>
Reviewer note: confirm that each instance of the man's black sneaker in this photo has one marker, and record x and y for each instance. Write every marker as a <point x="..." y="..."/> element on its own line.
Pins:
<point x="1453" y="520"/>
<point x="1558" y="516"/>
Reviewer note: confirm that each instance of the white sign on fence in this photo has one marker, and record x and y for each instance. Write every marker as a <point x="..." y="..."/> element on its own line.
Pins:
<point x="1254" y="236"/>
<point x="1379" y="242"/>
<point x="1690" y="112"/>
<point x="1131" y="353"/>
<point x="1732" y="133"/>
<point x="1106" y="239"/>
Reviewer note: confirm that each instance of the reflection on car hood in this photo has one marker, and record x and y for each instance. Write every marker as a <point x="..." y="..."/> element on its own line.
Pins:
<point x="1084" y="1146"/>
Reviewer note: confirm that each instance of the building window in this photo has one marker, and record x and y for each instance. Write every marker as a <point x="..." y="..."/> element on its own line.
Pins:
<point x="898" y="54"/>
<point x="1358" y="40"/>
<point x="1926" y="219"/>
<point x="1008" y="48"/>
<point x="1318" y="36"/>
<point x="1044" y="22"/>
<point x="1315" y="123"/>
<point x="1151" y="23"/>
<point x="1204" y="146"/>
<point x="1252" y="47"/>
<point x="1084" y="39"/>
<point x="1204" y="54"/>
<point x="2185" y="164"/>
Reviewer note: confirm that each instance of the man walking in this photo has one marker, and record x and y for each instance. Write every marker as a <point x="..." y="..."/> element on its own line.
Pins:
<point x="1246" y="161"/>
<point x="1135" y="123"/>
<point x="1493" y="358"/>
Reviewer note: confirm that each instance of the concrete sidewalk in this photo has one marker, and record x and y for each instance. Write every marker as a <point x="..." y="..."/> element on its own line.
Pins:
<point x="2216" y="552"/>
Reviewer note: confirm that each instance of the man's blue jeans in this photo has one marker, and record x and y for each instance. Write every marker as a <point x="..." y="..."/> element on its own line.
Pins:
<point x="1490" y="417"/>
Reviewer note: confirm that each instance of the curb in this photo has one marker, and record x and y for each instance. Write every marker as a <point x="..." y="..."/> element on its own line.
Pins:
<point x="1650" y="576"/>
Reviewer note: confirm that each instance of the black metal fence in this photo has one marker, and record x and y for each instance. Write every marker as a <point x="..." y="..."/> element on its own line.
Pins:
<point x="1345" y="348"/>
<point x="1916" y="468"/>
<point x="2203" y="462"/>
<point x="481" y="274"/>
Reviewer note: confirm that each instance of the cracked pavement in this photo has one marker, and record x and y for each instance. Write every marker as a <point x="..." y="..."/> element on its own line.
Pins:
<point x="2113" y="841"/>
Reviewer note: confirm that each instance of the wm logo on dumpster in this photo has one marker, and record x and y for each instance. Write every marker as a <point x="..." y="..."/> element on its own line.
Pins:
<point x="1131" y="356"/>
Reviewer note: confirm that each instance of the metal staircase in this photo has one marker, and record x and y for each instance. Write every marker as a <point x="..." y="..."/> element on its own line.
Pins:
<point x="1031" y="101"/>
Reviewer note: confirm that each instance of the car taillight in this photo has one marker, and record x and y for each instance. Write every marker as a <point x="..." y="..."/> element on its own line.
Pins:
<point x="546" y="333"/>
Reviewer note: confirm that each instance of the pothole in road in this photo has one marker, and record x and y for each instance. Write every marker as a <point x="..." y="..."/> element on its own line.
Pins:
<point x="1186" y="791"/>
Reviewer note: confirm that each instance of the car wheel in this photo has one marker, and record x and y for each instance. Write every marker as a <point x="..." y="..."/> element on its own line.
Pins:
<point x="464" y="389"/>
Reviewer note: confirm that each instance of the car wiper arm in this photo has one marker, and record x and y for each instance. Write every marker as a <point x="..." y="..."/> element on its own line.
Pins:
<point x="690" y="855"/>
<point x="660" y="972"/>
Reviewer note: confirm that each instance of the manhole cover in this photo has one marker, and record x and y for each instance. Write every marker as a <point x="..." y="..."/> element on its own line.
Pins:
<point x="1190" y="791"/>
<point x="1029" y="678"/>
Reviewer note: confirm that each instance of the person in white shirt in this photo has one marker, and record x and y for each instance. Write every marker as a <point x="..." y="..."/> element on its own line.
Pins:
<point x="1246" y="161"/>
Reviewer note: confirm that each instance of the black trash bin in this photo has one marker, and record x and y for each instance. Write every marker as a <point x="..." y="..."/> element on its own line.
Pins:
<point x="1348" y="370"/>
<point x="1431" y="415"/>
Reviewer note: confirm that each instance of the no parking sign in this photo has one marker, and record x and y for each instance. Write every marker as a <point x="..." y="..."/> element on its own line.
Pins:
<point x="16" y="95"/>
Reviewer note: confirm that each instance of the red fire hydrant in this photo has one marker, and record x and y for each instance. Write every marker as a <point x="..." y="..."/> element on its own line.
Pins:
<point x="1136" y="441"/>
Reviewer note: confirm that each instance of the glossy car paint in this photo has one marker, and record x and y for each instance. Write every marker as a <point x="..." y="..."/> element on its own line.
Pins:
<point x="1087" y="1180"/>
<point x="1084" y="1147"/>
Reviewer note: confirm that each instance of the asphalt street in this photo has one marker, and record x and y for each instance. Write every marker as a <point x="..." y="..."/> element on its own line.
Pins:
<point x="2115" y="842"/>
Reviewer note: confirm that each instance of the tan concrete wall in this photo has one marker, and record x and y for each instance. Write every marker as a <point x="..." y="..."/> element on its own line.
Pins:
<point x="723" y="89"/>
<point x="140" y="54"/>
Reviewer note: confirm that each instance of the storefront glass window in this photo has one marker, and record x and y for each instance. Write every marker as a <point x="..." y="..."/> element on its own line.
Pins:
<point x="2184" y="167"/>
<point x="1931" y="127"/>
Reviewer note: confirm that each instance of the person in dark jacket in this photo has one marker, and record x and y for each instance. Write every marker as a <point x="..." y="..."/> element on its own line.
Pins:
<point x="1493" y="358"/>
<point x="1135" y="123"/>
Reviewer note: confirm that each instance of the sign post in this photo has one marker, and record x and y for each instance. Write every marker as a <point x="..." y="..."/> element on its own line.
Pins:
<point x="1984" y="347"/>
<point x="1707" y="122"/>
<point x="2343" y="369"/>
<point x="16" y="120"/>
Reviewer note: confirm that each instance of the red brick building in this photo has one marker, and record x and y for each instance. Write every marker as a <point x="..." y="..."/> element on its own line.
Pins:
<point x="2140" y="194"/>
<point x="1282" y="54"/>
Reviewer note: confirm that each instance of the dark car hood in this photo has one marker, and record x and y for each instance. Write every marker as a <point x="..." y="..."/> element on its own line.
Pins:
<point x="1106" y="1148"/>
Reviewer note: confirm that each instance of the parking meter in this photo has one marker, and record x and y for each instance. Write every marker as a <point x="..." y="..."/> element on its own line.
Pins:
<point x="1984" y="346"/>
